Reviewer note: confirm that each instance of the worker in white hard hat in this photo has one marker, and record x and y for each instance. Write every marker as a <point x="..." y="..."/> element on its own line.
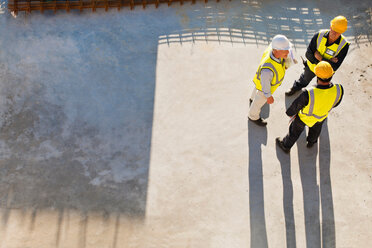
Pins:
<point x="269" y="76"/>
<point x="326" y="45"/>
<point x="312" y="107"/>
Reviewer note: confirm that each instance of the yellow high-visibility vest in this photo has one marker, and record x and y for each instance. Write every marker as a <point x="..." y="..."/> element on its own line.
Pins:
<point x="321" y="101"/>
<point x="327" y="52"/>
<point x="278" y="70"/>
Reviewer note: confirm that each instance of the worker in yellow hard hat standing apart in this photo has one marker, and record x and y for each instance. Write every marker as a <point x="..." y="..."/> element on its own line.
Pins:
<point x="269" y="76"/>
<point x="311" y="108"/>
<point x="326" y="45"/>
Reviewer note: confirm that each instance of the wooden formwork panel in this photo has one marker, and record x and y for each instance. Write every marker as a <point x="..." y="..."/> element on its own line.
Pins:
<point x="41" y="5"/>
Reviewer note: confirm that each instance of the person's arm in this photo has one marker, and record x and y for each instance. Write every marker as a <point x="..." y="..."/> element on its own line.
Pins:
<point x="298" y="104"/>
<point x="311" y="49"/>
<point x="342" y="95"/>
<point x="291" y="58"/>
<point x="340" y="58"/>
<point x="266" y="78"/>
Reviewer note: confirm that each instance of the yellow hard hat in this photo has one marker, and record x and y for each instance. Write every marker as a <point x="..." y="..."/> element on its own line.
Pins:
<point x="339" y="24"/>
<point x="324" y="70"/>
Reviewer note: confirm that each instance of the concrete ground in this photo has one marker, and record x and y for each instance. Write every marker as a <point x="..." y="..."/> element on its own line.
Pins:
<point x="129" y="129"/>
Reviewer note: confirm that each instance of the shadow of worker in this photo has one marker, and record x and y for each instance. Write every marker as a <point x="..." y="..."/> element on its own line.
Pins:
<point x="310" y="190"/>
<point x="257" y="136"/>
<point x="317" y="235"/>
<point x="326" y="198"/>
<point x="285" y="164"/>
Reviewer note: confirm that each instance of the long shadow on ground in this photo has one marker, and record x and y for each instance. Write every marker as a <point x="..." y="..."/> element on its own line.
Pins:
<point x="257" y="137"/>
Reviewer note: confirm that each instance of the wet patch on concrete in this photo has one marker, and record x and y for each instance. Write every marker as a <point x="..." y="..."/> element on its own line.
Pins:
<point x="50" y="160"/>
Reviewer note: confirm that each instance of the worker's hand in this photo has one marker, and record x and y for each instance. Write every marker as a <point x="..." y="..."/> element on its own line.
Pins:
<point x="318" y="56"/>
<point x="292" y="118"/>
<point x="270" y="100"/>
<point x="334" y="60"/>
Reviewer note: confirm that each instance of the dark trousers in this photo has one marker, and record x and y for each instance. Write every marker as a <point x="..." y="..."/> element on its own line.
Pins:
<point x="304" y="79"/>
<point x="295" y="130"/>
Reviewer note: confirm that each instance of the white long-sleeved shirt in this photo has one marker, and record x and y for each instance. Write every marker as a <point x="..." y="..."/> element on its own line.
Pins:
<point x="266" y="78"/>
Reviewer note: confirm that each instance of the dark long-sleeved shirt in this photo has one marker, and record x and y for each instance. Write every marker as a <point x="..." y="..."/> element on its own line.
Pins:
<point x="311" y="49"/>
<point x="303" y="99"/>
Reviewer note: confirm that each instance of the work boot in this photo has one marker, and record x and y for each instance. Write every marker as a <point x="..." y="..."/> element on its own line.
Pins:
<point x="310" y="144"/>
<point x="259" y="122"/>
<point x="291" y="91"/>
<point x="279" y="142"/>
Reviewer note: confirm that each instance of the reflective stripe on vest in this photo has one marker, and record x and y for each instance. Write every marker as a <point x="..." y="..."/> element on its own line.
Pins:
<point x="277" y="68"/>
<point x="320" y="37"/>
<point x="338" y="87"/>
<point x="312" y="100"/>
<point x="274" y="70"/>
<point x="342" y="44"/>
<point x="322" y="50"/>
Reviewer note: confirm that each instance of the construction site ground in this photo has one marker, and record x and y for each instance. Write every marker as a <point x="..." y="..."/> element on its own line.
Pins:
<point x="128" y="129"/>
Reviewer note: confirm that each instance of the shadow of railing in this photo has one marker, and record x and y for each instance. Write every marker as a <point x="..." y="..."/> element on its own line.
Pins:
<point x="255" y="23"/>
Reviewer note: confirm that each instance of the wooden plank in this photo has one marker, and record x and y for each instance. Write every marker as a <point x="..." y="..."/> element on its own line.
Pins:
<point x="16" y="7"/>
<point x="42" y="5"/>
<point x="119" y="5"/>
<point x="68" y="5"/>
<point x="29" y="6"/>
<point x="131" y="4"/>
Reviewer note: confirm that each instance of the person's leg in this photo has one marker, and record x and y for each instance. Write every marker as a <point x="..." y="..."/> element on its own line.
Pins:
<point x="314" y="133"/>
<point x="302" y="82"/>
<point x="259" y="100"/>
<point x="304" y="79"/>
<point x="253" y="94"/>
<point x="295" y="130"/>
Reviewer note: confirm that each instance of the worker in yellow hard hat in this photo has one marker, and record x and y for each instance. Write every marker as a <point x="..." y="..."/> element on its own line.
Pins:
<point x="326" y="45"/>
<point x="311" y="108"/>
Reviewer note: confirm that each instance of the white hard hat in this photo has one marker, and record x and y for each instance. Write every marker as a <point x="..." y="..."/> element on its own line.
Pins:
<point x="280" y="42"/>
